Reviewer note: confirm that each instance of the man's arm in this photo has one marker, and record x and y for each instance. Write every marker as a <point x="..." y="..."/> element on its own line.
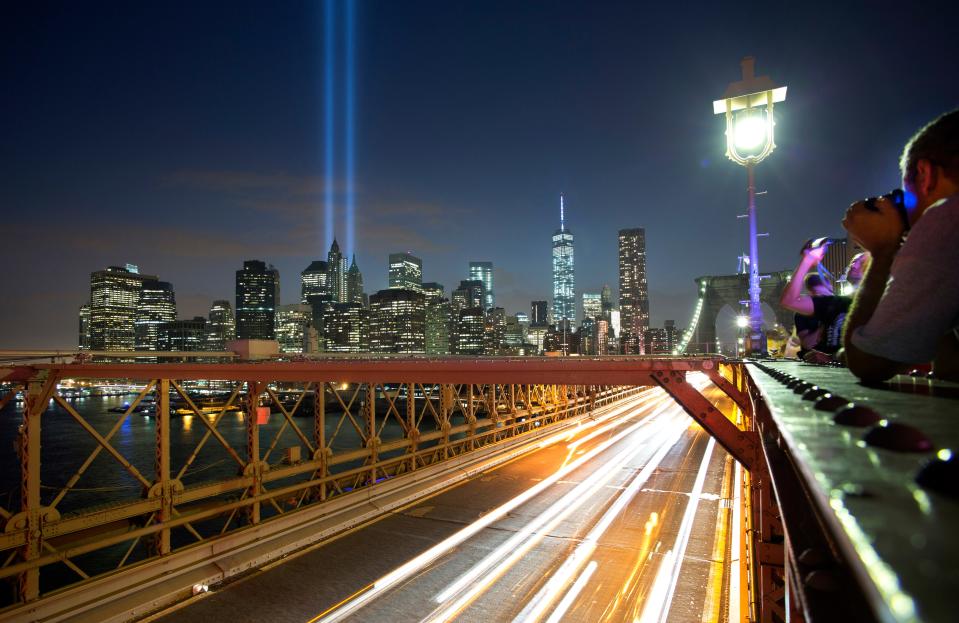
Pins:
<point x="865" y="365"/>
<point x="792" y="297"/>
<point x="879" y="232"/>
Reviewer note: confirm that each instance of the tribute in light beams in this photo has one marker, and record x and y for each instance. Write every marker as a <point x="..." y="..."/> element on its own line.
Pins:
<point x="350" y="122"/>
<point x="330" y="134"/>
<point x="329" y="82"/>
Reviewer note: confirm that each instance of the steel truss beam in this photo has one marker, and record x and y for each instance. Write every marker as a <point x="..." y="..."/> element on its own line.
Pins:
<point x="765" y="535"/>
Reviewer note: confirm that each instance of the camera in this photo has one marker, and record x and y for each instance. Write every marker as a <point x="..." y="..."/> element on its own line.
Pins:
<point x="815" y="243"/>
<point x="898" y="198"/>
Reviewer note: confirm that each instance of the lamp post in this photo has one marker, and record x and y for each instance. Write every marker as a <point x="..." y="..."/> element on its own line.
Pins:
<point x="748" y="106"/>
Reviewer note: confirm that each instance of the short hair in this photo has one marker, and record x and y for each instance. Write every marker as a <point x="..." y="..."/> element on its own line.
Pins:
<point x="813" y="280"/>
<point x="937" y="142"/>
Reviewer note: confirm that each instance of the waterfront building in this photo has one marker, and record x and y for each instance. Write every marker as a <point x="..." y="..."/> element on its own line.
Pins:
<point x="469" y="336"/>
<point x="661" y="341"/>
<point x="336" y="273"/>
<point x="483" y="271"/>
<point x="406" y="271"/>
<point x="354" y="284"/>
<point x="313" y="282"/>
<point x="433" y="290"/>
<point x="539" y="313"/>
<point x="592" y="306"/>
<point x="257" y="296"/>
<point x="114" y="297"/>
<point x="564" y="301"/>
<point x="514" y="336"/>
<point x="347" y="328"/>
<point x="84" y="341"/>
<point x="221" y="327"/>
<point x="633" y="290"/>
<point x="157" y="305"/>
<point x="183" y="335"/>
<point x="495" y="330"/>
<point x="606" y="301"/>
<point x="292" y="327"/>
<point x="560" y="338"/>
<point x="398" y="321"/>
<point x="535" y="336"/>
<point x="470" y="293"/>
<point x="438" y="319"/>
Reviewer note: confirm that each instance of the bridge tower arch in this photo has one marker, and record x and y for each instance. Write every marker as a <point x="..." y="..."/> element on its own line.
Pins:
<point x="718" y="291"/>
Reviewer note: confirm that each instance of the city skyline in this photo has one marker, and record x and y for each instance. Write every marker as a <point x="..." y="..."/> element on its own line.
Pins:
<point x="187" y="139"/>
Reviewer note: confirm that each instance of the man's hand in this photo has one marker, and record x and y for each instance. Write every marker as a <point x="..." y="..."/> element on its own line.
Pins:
<point x="815" y="254"/>
<point x="879" y="232"/>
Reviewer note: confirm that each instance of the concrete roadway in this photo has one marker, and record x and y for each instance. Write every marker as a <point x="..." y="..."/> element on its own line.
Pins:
<point x="620" y="521"/>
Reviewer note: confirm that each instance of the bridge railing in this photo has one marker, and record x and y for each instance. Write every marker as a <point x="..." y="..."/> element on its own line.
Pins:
<point x="103" y="492"/>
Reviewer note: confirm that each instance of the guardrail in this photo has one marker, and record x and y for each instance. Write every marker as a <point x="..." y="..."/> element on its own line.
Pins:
<point x="270" y="449"/>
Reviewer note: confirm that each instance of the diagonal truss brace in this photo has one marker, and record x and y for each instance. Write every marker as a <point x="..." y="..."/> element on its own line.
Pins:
<point x="742" y="445"/>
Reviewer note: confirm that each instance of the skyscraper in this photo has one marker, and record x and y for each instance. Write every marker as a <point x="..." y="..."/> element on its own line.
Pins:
<point x="84" y="340"/>
<point x="470" y="293"/>
<point x="469" y="336"/>
<point x="564" y="302"/>
<point x="292" y="324"/>
<point x="438" y="319"/>
<point x="398" y="321"/>
<point x="313" y="282"/>
<point x="183" y="335"/>
<point x="257" y="296"/>
<point x="114" y="297"/>
<point x="606" y="301"/>
<point x="483" y="271"/>
<point x="538" y="313"/>
<point x="406" y="271"/>
<point x="633" y="291"/>
<point x="336" y="273"/>
<point x="347" y="328"/>
<point x="592" y="306"/>
<point x="354" y="284"/>
<point x="157" y="305"/>
<point x="221" y="327"/>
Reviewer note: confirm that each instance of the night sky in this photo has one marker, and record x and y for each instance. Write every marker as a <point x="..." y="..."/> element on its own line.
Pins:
<point x="188" y="137"/>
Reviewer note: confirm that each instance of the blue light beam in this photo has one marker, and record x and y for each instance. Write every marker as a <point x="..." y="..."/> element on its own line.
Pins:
<point x="328" y="121"/>
<point x="350" y="124"/>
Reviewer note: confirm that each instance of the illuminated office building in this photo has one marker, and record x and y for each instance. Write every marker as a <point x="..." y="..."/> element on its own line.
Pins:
<point x="438" y="319"/>
<point x="114" y="299"/>
<point x="257" y="296"/>
<point x="470" y="331"/>
<point x="183" y="335"/>
<point x="592" y="306"/>
<point x="398" y="321"/>
<point x="354" y="284"/>
<point x="633" y="292"/>
<point x="406" y="271"/>
<point x="433" y="290"/>
<point x="564" y="301"/>
<point x="313" y="282"/>
<point x="157" y="305"/>
<point x="221" y="327"/>
<point x="336" y="273"/>
<point x="495" y="330"/>
<point x="606" y="301"/>
<point x="483" y="271"/>
<point x="347" y="328"/>
<point x="84" y="341"/>
<point x="470" y="293"/>
<point x="292" y="326"/>
<point x="539" y="313"/>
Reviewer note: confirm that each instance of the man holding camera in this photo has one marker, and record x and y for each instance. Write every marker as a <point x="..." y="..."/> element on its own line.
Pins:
<point x="906" y="311"/>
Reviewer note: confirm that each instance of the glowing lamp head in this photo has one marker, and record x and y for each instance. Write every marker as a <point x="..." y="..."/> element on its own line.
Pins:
<point x="749" y="132"/>
<point x="742" y="321"/>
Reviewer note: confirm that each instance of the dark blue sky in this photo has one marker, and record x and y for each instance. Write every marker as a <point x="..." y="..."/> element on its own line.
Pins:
<point x="187" y="137"/>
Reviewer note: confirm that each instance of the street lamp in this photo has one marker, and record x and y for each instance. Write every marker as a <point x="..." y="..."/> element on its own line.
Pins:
<point x="750" y="138"/>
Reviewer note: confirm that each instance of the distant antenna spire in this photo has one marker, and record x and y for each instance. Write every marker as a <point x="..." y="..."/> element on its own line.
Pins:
<point x="562" y="214"/>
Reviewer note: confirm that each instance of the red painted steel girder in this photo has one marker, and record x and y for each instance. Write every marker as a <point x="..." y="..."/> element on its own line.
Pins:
<point x="531" y="370"/>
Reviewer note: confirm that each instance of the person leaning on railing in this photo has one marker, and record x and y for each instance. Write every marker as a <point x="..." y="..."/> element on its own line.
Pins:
<point x="906" y="311"/>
